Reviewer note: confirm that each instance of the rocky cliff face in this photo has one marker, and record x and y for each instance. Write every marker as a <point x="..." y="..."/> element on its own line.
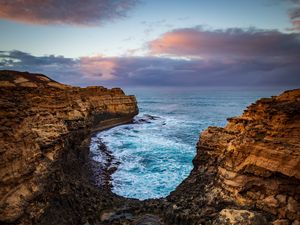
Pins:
<point x="45" y="130"/>
<point x="248" y="172"/>
<point x="259" y="155"/>
<point x="245" y="173"/>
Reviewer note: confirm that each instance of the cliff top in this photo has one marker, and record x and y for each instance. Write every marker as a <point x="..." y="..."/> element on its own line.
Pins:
<point x="15" y="79"/>
<point x="289" y="95"/>
<point x="42" y="122"/>
<point x="10" y="78"/>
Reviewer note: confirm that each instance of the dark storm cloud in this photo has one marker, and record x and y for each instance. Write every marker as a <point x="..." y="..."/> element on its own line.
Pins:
<point x="75" y="12"/>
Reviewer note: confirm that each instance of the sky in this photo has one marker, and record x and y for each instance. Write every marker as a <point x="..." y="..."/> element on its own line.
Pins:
<point x="154" y="43"/>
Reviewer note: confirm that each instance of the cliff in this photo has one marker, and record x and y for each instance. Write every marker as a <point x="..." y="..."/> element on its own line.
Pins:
<point x="45" y="131"/>
<point x="245" y="173"/>
<point x="249" y="171"/>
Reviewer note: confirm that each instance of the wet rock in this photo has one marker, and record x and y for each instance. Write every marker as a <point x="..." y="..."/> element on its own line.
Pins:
<point x="151" y="117"/>
<point x="146" y="118"/>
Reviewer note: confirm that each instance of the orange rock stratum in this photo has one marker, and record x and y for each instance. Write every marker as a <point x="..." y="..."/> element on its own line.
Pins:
<point x="245" y="173"/>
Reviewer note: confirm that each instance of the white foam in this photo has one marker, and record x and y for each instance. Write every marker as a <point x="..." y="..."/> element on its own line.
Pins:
<point x="152" y="162"/>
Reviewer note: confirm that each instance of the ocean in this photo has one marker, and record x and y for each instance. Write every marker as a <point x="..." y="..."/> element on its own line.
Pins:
<point x="154" y="154"/>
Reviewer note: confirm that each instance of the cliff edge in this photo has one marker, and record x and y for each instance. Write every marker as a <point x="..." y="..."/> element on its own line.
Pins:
<point x="245" y="173"/>
<point x="249" y="171"/>
<point x="44" y="139"/>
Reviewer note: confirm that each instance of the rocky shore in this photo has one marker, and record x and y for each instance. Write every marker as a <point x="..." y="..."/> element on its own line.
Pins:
<point x="248" y="171"/>
<point x="45" y="132"/>
<point x="245" y="173"/>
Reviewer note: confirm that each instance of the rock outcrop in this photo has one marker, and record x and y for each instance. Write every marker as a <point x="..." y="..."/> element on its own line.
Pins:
<point x="44" y="141"/>
<point x="258" y="156"/>
<point x="245" y="173"/>
<point x="248" y="171"/>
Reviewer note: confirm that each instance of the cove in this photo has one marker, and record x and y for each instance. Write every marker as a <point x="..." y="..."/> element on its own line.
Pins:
<point x="154" y="154"/>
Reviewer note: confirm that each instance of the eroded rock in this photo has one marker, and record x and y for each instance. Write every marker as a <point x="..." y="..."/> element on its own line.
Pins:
<point x="236" y="217"/>
<point x="251" y="164"/>
<point x="44" y="126"/>
<point x="245" y="173"/>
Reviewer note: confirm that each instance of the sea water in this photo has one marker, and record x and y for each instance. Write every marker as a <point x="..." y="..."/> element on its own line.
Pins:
<point x="154" y="154"/>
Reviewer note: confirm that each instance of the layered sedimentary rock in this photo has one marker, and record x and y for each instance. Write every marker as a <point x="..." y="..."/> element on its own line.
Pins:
<point x="258" y="156"/>
<point x="249" y="171"/>
<point x="245" y="173"/>
<point x="44" y="139"/>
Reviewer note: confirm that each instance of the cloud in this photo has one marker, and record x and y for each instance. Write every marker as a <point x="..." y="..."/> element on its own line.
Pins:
<point x="68" y="70"/>
<point x="98" y="68"/>
<point x="183" y="57"/>
<point x="157" y="71"/>
<point x="296" y="24"/>
<point x="293" y="13"/>
<point x="59" y="67"/>
<point x="295" y="17"/>
<point x="293" y="1"/>
<point x="74" y="12"/>
<point x="230" y="44"/>
<point x="235" y="56"/>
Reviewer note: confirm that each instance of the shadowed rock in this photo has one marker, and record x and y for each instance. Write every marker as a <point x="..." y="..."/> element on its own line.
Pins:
<point x="245" y="173"/>
<point x="45" y="130"/>
<point x="253" y="163"/>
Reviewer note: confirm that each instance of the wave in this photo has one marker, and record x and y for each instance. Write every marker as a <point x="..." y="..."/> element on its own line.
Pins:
<point x="154" y="153"/>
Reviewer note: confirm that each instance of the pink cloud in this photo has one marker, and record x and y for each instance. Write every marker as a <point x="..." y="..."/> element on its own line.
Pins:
<point x="226" y="44"/>
<point x="258" y="66"/>
<point x="296" y="24"/>
<point x="295" y="18"/>
<point x="98" y="68"/>
<point x="75" y="12"/>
